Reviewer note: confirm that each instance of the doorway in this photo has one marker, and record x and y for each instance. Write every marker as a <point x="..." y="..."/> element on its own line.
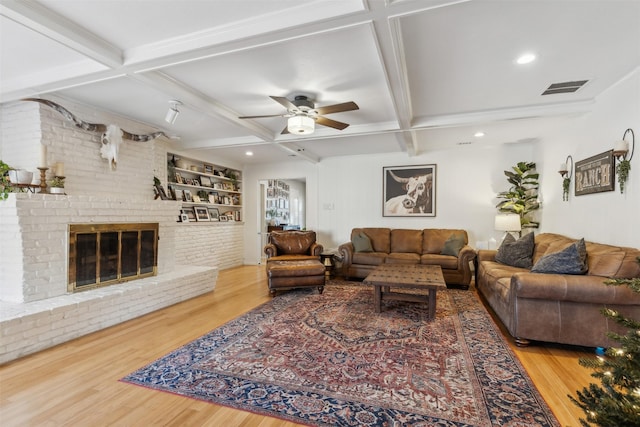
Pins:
<point x="282" y="207"/>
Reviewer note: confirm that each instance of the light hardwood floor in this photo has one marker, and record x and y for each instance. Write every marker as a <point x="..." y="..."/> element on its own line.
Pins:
<point x="76" y="383"/>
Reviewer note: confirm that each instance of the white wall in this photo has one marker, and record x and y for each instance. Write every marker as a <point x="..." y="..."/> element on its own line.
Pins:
<point x="608" y="217"/>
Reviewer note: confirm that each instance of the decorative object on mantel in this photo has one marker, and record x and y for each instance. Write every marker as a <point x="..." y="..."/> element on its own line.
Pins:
<point x="5" y="184"/>
<point x="522" y="196"/>
<point x="594" y="174"/>
<point x="566" y="171"/>
<point x="111" y="137"/>
<point x="57" y="185"/>
<point x="620" y="151"/>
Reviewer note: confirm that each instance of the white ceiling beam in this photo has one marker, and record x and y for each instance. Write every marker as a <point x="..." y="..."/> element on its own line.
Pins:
<point x="516" y="113"/>
<point x="58" y="28"/>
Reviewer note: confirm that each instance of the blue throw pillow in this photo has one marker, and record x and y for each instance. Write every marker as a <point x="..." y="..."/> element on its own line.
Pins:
<point x="571" y="260"/>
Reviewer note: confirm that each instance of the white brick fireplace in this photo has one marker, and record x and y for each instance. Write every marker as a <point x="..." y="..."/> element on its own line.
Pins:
<point x="36" y="311"/>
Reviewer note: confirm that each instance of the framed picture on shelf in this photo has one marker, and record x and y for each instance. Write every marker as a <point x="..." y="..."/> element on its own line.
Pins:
<point x="191" y="215"/>
<point x="223" y="218"/>
<point x="178" y="194"/>
<point x="214" y="214"/>
<point x="409" y="190"/>
<point x="187" y="196"/>
<point x="179" y="179"/>
<point x="208" y="169"/>
<point x="205" y="181"/>
<point x="196" y="198"/>
<point x="202" y="213"/>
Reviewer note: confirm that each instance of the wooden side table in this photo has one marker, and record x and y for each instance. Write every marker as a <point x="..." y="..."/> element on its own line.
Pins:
<point x="328" y="260"/>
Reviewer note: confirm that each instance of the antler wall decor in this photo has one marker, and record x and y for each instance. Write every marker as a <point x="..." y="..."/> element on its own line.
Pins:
<point x="111" y="137"/>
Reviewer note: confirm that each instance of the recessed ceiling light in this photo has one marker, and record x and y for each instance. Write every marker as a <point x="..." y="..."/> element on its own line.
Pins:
<point x="249" y="153"/>
<point x="526" y="58"/>
<point x="479" y="134"/>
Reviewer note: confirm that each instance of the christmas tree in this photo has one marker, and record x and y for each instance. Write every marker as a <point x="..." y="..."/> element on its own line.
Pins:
<point x="616" y="402"/>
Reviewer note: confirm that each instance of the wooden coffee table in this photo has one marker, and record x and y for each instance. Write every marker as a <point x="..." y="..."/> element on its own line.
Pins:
<point x="406" y="276"/>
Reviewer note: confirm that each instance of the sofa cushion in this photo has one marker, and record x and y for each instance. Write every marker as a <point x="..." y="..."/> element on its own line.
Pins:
<point x="361" y="243"/>
<point x="402" y="258"/>
<point x="516" y="253"/>
<point x="452" y="246"/>
<point x="447" y="262"/>
<point x="571" y="260"/>
<point x="369" y="258"/>
<point x="407" y="241"/>
<point x="380" y="238"/>
<point x="433" y="239"/>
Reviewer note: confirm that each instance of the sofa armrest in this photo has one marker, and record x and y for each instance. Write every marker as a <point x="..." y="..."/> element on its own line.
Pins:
<point x="271" y="250"/>
<point x="346" y="253"/>
<point x="316" y="249"/>
<point x="486" y="255"/>
<point x="567" y="287"/>
<point x="465" y="256"/>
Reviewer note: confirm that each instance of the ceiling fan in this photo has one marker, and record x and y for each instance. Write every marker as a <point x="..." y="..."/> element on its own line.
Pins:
<point x="303" y="115"/>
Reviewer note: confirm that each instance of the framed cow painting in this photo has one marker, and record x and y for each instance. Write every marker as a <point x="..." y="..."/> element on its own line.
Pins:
<point x="409" y="190"/>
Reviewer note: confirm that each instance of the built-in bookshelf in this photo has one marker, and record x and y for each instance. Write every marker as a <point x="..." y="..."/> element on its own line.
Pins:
<point x="208" y="192"/>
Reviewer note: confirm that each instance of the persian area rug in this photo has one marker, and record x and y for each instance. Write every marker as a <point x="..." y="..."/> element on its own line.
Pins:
<point x="331" y="360"/>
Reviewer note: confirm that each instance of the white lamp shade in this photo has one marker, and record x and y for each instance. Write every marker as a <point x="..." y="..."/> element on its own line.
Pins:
<point x="302" y="125"/>
<point x="508" y="222"/>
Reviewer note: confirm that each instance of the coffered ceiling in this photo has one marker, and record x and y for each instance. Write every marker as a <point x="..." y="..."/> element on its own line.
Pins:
<point x="426" y="74"/>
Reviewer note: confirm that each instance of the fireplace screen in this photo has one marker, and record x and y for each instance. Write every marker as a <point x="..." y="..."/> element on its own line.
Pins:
<point x="104" y="254"/>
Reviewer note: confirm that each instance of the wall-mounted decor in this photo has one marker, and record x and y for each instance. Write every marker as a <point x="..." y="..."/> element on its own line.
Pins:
<point x="409" y="190"/>
<point x="595" y="174"/>
<point x="566" y="171"/>
<point x="623" y="154"/>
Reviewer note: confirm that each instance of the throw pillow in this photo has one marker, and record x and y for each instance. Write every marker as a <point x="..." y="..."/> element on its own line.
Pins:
<point x="517" y="253"/>
<point x="452" y="245"/>
<point x="361" y="243"/>
<point x="571" y="260"/>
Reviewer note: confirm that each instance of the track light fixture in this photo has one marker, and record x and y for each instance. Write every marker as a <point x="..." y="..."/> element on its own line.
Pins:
<point x="173" y="112"/>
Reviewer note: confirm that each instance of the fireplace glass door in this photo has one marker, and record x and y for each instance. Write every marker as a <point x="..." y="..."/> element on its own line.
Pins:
<point x="104" y="254"/>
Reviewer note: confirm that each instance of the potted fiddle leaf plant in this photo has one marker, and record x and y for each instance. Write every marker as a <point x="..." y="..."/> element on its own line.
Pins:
<point x="522" y="196"/>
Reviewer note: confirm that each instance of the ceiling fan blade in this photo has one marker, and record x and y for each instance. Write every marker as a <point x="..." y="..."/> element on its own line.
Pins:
<point x="285" y="130"/>
<point x="331" y="123"/>
<point x="262" y="117"/>
<point x="284" y="102"/>
<point x="337" y="108"/>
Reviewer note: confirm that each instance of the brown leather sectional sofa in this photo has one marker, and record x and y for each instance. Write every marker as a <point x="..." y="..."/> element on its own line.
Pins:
<point x="561" y="308"/>
<point x="408" y="246"/>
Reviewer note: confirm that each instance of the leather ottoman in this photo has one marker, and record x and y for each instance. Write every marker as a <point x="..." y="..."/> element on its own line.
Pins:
<point x="295" y="274"/>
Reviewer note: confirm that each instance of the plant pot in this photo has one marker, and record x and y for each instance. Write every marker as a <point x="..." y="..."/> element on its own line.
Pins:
<point x="56" y="190"/>
<point x="20" y="176"/>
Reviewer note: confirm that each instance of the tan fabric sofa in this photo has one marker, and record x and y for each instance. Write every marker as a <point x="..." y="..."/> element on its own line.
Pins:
<point x="408" y="246"/>
<point x="560" y="308"/>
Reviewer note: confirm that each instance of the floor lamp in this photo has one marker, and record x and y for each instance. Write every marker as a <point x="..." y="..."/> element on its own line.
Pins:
<point x="509" y="223"/>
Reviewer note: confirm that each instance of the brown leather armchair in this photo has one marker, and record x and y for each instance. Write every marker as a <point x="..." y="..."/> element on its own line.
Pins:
<point x="293" y="261"/>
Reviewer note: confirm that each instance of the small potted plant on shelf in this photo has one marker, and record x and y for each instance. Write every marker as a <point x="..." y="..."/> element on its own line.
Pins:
<point x="5" y="185"/>
<point x="57" y="185"/>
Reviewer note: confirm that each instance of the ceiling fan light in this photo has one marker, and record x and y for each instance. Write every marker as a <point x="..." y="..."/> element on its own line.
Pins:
<point x="301" y="125"/>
